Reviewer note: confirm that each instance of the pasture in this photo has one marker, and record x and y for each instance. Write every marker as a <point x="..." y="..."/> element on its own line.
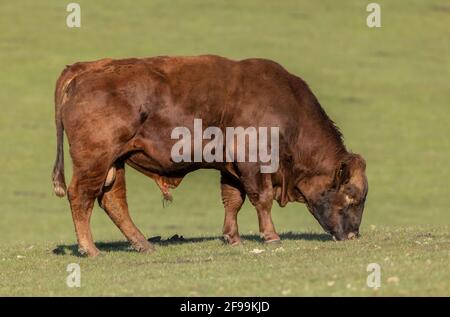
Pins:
<point x="386" y="88"/>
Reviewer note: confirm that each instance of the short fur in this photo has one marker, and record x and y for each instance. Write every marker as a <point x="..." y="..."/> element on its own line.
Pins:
<point x="123" y="111"/>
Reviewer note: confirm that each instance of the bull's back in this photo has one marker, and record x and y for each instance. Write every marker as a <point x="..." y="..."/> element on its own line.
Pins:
<point x="155" y="95"/>
<point x="224" y="92"/>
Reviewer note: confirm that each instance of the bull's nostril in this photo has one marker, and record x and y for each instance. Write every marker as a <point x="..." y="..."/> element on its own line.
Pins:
<point x="351" y="235"/>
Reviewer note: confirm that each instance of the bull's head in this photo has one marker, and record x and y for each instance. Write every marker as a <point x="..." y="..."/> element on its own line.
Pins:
<point x="337" y="202"/>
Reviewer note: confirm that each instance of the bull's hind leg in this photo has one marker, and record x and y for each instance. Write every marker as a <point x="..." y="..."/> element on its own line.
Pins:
<point x="233" y="196"/>
<point x="82" y="193"/>
<point x="90" y="170"/>
<point x="113" y="201"/>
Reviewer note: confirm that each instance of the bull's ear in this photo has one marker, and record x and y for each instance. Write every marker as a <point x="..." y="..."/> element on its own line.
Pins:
<point x="342" y="174"/>
<point x="353" y="177"/>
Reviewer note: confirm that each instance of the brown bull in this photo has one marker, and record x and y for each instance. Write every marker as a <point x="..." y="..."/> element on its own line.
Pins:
<point x="118" y="112"/>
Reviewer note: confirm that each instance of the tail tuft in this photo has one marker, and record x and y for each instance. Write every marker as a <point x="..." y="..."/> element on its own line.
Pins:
<point x="59" y="189"/>
<point x="59" y="183"/>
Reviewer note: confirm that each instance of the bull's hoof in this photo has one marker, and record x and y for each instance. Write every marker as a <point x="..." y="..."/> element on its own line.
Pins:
<point x="271" y="238"/>
<point x="231" y="241"/>
<point x="91" y="253"/>
<point x="273" y="242"/>
<point x="143" y="246"/>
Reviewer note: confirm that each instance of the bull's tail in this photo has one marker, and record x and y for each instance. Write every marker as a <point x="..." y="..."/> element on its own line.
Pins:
<point x="59" y="182"/>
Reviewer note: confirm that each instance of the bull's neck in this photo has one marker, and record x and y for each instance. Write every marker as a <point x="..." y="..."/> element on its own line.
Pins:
<point x="320" y="148"/>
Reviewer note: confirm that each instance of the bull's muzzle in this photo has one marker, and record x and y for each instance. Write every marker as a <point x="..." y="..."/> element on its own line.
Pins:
<point x="348" y="236"/>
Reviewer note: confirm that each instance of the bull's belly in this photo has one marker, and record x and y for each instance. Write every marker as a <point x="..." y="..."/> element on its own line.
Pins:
<point x="150" y="165"/>
<point x="166" y="177"/>
<point x="153" y="168"/>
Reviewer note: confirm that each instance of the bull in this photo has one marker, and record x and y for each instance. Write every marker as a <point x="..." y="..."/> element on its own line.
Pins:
<point x="122" y="112"/>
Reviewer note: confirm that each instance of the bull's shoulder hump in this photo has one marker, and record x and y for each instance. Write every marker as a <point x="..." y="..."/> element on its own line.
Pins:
<point x="261" y="62"/>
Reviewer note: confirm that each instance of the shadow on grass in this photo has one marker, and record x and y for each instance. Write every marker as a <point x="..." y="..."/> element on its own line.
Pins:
<point x="72" y="249"/>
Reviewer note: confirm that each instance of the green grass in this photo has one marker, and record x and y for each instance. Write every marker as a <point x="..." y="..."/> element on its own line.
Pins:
<point x="306" y="264"/>
<point x="387" y="89"/>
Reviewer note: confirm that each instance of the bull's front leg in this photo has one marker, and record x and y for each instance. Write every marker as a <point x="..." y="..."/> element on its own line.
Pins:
<point x="233" y="196"/>
<point x="259" y="190"/>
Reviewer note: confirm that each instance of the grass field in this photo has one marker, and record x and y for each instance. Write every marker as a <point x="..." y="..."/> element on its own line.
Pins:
<point x="386" y="88"/>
